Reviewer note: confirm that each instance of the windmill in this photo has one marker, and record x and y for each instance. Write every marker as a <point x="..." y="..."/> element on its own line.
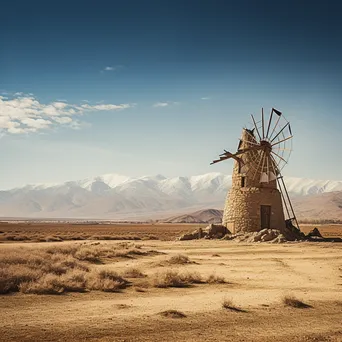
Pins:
<point x="258" y="195"/>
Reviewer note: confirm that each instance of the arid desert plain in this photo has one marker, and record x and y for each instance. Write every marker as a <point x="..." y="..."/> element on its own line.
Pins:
<point x="154" y="288"/>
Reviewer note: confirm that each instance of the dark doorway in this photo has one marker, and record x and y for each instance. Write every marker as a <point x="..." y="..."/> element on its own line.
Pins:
<point x="265" y="213"/>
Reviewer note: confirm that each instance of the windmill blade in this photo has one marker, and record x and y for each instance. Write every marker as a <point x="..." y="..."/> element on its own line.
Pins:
<point x="290" y="129"/>
<point x="280" y="132"/>
<point x="256" y="164"/>
<point x="271" y="176"/>
<point x="278" y="142"/>
<point x="255" y="126"/>
<point x="252" y="137"/>
<point x="227" y="155"/>
<point x="219" y="160"/>
<point x="275" y="166"/>
<point x="264" y="177"/>
<point x="249" y="142"/>
<point x="263" y="126"/>
<point x="277" y="111"/>
<point x="279" y="156"/>
<point x="283" y="149"/>
<point x="276" y="124"/>
<point x="270" y="169"/>
<point x="269" y="123"/>
<point x="262" y="173"/>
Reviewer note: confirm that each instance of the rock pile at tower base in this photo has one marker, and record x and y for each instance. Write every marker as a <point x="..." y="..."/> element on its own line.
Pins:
<point x="214" y="231"/>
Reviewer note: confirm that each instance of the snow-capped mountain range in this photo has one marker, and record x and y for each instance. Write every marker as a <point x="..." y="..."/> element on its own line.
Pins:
<point x="114" y="196"/>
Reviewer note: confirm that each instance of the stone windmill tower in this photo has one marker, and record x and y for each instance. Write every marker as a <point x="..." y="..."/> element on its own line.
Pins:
<point x="258" y="195"/>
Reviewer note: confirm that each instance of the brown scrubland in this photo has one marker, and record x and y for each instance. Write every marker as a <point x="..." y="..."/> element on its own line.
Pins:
<point x="57" y="232"/>
<point x="151" y="289"/>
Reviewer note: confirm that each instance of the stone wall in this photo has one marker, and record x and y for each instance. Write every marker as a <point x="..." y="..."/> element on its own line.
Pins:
<point x="242" y="212"/>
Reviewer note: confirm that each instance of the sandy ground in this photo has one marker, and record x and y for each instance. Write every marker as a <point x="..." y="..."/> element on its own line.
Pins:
<point x="258" y="276"/>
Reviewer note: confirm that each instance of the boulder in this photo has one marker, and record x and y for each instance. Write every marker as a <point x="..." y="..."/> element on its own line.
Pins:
<point x="216" y="230"/>
<point x="315" y="232"/>
<point x="270" y="235"/>
<point x="186" y="237"/>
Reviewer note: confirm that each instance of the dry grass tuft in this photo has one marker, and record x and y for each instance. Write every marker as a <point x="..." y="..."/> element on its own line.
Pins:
<point x="59" y="269"/>
<point x="228" y="304"/>
<point x="295" y="303"/>
<point x="106" y="280"/>
<point x="169" y="279"/>
<point x="179" y="259"/>
<point x="215" y="279"/>
<point x="133" y="273"/>
<point x="172" y="314"/>
<point x="175" y="279"/>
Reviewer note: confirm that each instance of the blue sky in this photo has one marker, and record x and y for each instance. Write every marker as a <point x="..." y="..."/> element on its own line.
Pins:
<point x="148" y="87"/>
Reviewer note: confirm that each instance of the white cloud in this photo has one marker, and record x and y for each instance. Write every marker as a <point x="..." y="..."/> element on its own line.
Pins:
<point x="112" y="68"/>
<point x="205" y="98"/>
<point x="36" y="123"/>
<point x="161" y="104"/>
<point x="165" y="104"/>
<point x="106" y="106"/>
<point x="63" y="119"/>
<point x="22" y="113"/>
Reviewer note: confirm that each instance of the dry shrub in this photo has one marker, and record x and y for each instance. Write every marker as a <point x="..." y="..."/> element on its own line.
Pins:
<point x="294" y="302"/>
<point x="94" y="253"/>
<point x="175" y="279"/>
<point x="179" y="259"/>
<point x="114" y="237"/>
<point x="172" y="314"/>
<point x="133" y="273"/>
<point x="215" y="279"/>
<point x="149" y="237"/>
<point x="169" y="279"/>
<point x="52" y="239"/>
<point x="192" y="278"/>
<point x="106" y="280"/>
<point x="11" y="276"/>
<point x="47" y="284"/>
<point x="16" y="237"/>
<point x="57" y="269"/>
<point x="228" y="304"/>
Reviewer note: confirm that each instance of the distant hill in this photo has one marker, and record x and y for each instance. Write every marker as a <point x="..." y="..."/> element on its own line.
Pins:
<point x="200" y="216"/>
<point x="326" y="206"/>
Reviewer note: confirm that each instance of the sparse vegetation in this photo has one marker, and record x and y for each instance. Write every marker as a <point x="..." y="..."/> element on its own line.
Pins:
<point x="228" y="304"/>
<point x="294" y="302"/>
<point x="169" y="279"/>
<point x="59" y="269"/>
<point x="179" y="259"/>
<point x="175" y="279"/>
<point x="133" y="273"/>
<point x="172" y="314"/>
<point x="106" y="280"/>
<point x="215" y="279"/>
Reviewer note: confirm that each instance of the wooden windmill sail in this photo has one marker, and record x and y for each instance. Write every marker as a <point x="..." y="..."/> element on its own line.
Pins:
<point x="258" y="195"/>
